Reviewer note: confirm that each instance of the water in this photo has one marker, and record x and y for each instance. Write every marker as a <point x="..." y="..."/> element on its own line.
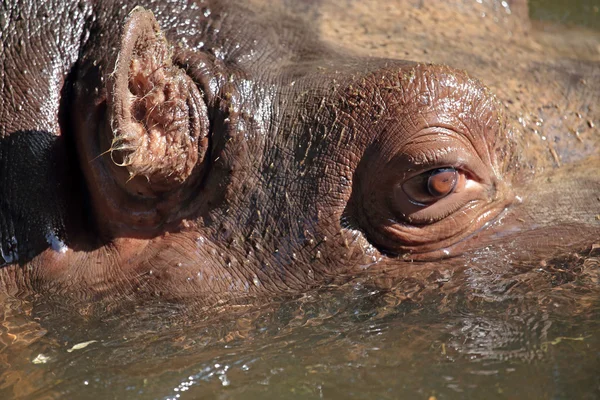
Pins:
<point x="485" y="337"/>
<point x="348" y="343"/>
<point x="574" y="12"/>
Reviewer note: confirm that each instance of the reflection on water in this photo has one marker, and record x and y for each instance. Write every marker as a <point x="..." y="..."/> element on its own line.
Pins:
<point x="481" y="336"/>
<point x="351" y="342"/>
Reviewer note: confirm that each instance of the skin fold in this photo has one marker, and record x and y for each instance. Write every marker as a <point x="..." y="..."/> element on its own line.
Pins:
<point x="215" y="151"/>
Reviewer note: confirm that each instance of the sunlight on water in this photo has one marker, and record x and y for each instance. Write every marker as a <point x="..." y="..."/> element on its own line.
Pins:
<point x="348" y="343"/>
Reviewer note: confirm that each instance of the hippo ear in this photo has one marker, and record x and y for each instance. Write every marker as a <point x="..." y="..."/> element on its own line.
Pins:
<point x="158" y="123"/>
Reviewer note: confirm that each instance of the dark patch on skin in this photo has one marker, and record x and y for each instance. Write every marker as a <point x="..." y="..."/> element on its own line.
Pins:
<point x="30" y="210"/>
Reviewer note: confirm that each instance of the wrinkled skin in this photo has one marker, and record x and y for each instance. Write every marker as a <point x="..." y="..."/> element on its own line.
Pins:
<point x="216" y="152"/>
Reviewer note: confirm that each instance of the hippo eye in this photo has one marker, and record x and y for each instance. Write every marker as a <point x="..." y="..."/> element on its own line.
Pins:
<point x="430" y="191"/>
<point x="431" y="186"/>
<point x="433" y="195"/>
<point x="435" y="172"/>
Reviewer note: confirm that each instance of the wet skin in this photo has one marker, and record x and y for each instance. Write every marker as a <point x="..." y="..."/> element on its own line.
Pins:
<point x="216" y="152"/>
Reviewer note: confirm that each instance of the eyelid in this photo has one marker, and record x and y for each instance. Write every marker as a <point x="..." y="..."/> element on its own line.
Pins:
<point x="450" y="150"/>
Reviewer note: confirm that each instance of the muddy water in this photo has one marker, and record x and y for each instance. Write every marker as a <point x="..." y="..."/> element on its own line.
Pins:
<point x="350" y="343"/>
<point x="480" y="340"/>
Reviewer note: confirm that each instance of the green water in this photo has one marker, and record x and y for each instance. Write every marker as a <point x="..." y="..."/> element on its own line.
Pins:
<point x="576" y="12"/>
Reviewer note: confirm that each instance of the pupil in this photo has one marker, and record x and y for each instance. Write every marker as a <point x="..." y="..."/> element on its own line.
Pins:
<point x="442" y="181"/>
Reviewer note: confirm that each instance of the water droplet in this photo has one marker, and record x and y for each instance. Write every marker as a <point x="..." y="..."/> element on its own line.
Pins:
<point x="55" y="243"/>
<point x="224" y="380"/>
<point x="40" y="359"/>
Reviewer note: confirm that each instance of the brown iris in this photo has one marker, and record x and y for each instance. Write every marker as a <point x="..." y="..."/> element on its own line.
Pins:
<point x="432" y="185"/>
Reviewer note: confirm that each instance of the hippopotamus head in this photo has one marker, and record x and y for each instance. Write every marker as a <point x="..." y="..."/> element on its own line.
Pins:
<point x="215" y="151"/>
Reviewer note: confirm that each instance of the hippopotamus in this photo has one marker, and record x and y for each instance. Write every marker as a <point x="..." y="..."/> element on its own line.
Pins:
<point x="214" y="151"/>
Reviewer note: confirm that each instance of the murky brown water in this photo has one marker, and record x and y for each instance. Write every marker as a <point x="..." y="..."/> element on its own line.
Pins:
<point x="485" y="342"/>
<point x="351" y="343"/>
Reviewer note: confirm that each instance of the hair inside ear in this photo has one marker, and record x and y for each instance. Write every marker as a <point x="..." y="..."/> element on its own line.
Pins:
<point x="158" y="125"/>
